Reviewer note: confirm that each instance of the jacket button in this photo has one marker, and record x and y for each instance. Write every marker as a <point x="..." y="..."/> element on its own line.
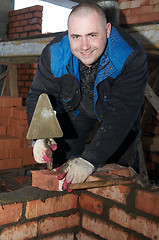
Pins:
<point x="77" y="91"/>
<point x="110" y="68"/>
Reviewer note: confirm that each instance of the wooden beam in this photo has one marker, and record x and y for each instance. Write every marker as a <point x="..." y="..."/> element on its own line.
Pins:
<point x="152" y="97"/>
<point x="19" y="60"/>
<point x="13" y="80"/>
<point x="147" y="106"/>
<point x="6" y="86"/>
<point x="3" y="75"/>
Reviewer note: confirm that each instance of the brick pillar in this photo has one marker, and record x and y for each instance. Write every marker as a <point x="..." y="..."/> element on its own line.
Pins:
<point x="25" y="22"/>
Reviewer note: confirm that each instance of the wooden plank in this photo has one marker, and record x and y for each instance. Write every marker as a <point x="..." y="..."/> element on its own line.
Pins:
<point x="13" y="80"/>
<point x="147" y="106"/>
<point x="152" y="97"/>
<point x="19" y="60"/>
<point x="3" y="75"/>
<point x="6" y="86"/>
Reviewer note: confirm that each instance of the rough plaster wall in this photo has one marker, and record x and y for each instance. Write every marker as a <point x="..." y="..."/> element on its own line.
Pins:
<point x="7" y="5"/>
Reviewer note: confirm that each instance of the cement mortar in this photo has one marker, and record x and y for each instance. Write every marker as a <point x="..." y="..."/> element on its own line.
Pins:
<point x="26" y="194"/>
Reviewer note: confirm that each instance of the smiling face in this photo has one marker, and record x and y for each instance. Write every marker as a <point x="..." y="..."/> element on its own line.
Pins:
<point x="88" y="36"/>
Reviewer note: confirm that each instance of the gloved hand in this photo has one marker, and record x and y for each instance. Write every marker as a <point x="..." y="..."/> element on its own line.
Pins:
<point x="42" y="151"/>
<point x="74" y="171"/>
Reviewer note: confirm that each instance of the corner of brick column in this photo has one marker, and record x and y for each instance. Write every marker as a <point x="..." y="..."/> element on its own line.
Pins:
<point x="46" y="180"/>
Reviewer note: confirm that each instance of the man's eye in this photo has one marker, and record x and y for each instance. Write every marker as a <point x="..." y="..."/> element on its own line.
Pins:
<point x="92" y="35"/>
<point x="75" y="37"/>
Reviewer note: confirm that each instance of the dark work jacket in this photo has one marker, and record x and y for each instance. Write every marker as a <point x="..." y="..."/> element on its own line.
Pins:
<point x="118" y="90"/>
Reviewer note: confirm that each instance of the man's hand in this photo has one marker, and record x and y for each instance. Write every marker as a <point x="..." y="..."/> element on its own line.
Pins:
<point x="74" y="171"/>
<point x="42" y="151"/>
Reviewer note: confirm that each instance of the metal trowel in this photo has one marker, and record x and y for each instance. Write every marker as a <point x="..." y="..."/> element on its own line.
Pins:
<point x="44" y="123"/>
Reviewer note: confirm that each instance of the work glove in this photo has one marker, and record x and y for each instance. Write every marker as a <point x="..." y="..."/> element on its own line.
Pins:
<point x="42" y="150"/>
<point x="74" y="171"/>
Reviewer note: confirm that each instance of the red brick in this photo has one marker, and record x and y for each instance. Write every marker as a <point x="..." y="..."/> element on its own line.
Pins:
<point x="15" y="36"/>
<point x="84" y="236"/>
<point x="146" y="9"/>
<point x="15" y="153"/>
<point x="9" y="142"/>
<point x="27" y="28"/>
<point x="28" y="15"/>
<point x="10" y="213"/>
<point x="28" y="83"/>
<point x="3" y="130"/>
<point x="35" y="20"/>
<point x="10" y="163"/>
<point x="19" y="112"/>
<point x="31" y="71"/>
<point x="50" y="225"/>
<point x="148" y="202"/>
<point x="7" y="111"/>
<point x="156" y="8"/>
<point x="16" y="24"/>
<point x="5" y="121"/>
<point x="23" y="22"/>
<point x="21" y="71"/>
<point x="36" y="8"/>
<point x="117" y="169"/>
<point x="60" y="236"/>
<point x="10" y="101"/>
<point x="142" y="225"/>
<point x="148" y="17"/>
<point x="144" y="2"/>
<point x="135" y="11"/>
<point x="27" y="156"/>
<point x="19" y="232"/>
<point x="12" y="18"/>
<point x="20" y="131"/>
<point x="19" y="29"/>
<point x="34" y="33"/>
<point x="24" y="10"/>
<point x="25" y="143"/>
<point x="36" y="27"/>
<point x="17" y="122"/>
<point x="103" y="229"/>
<point x="56" y="204"/>
<point x="116" y="193"/>
<point x="46" y="180"/>
<point x="23" y="35"/>
<point x="20" y="17"/>
<point x="37" y="14"/>
<point x="133" y="236"/>
<point x="12" y="30"/>
<point x="91" y="203"/>
<point x="4" y="153"/>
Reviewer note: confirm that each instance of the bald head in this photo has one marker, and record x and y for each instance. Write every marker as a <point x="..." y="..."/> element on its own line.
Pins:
<point x="84" y="9"/>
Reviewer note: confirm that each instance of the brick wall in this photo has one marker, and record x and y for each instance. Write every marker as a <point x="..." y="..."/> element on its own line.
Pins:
<point x="138" y="11"/>
<point x="124" y="212"/>
<point x="26" y="73"/>
<point x="25" y="23"/>
<point x="14" y="147"/>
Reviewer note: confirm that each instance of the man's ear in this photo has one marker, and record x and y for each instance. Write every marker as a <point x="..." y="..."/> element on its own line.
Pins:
<point x="108" y="29"/>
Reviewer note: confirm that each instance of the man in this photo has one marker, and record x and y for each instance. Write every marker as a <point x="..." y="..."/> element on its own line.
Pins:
<point x="94" y="72"/>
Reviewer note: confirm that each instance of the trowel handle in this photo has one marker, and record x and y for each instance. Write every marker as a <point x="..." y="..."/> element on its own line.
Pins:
<point x="49" y="164"/>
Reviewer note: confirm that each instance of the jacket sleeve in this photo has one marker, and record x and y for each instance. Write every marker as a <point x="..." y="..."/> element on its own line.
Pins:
<point x="44" y="82"/>
<point x="122" y="111"/>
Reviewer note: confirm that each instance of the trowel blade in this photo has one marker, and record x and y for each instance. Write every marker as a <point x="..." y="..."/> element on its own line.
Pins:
<point x="44" y="123"/>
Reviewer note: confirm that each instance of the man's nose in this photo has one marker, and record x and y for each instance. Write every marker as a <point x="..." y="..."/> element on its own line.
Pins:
<point x="85" y="44"/>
